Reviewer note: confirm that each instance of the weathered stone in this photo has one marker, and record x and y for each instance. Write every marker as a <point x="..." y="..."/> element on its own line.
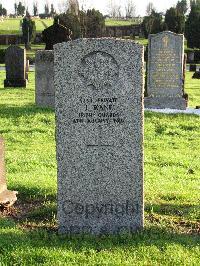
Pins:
<point x="190" y="56"/>
<point x="27" y="65"/>
<point x="165" y="82"/>
<point x="44" y="79"/>
<point x="15" y="60"/>
<point x="99" y="135"/>
<point x="55" y="34"/>
<point x="7" y="197"/>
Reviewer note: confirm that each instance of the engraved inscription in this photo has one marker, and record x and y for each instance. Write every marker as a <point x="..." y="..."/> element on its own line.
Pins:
<point x="99" y="70"/>
<point x="165" y="62"/>
<point x="99" y="111"/>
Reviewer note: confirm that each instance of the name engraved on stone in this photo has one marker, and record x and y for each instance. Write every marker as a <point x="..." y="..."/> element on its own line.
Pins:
<point x="99" y="111"/>
<point x="99" y="70"/>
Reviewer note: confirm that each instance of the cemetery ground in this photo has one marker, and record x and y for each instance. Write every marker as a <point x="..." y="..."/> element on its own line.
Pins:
<point x="12" y="25"/>
<point x="28" y="230"/>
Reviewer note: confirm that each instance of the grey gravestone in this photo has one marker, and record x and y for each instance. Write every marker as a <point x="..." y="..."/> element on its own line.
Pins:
<point x="7" y="197"/>
<point x="99" y="135"/>
<point x="44" y="79"/>
<point x="190" y="56"/>
<point x="165" y="82"/>
<point x="15" y="60"/>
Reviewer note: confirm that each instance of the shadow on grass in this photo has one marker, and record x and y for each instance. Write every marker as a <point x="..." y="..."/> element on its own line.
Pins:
<point x="179" y="210"/>
<point x="26" y="193"/>
<point x="152" y="236"/>
<point x="27" y="110"/>
<point x="37" y="233"/>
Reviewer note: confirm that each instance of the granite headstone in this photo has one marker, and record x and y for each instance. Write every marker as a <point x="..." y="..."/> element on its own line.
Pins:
<point x="165" y="82"/>
<point x="7" y="197"/>
<point x="99" y="135"/>
<point x="15" y="60"/>
<point x="44" y="79"/>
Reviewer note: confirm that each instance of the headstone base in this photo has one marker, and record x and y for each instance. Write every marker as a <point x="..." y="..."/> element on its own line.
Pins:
<point x="15" y="83"/>
<point x="165" y="103"/>
<point x="8" y="198"/>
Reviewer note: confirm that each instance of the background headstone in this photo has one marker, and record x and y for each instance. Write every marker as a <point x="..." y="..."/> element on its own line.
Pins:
<point x="15" y="60"/>
<point x="44" y="79"/>
<point x="99" y="135"/>
<point x="190" y="56"/>
<point x="196" y="75"/>
<point x="7" y="197"/>
<point x="55" y="34"/>
<point x="193" y="68"/>
<point x="165" y="82"/>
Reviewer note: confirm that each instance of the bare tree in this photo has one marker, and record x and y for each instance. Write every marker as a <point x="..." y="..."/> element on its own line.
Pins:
<point x="35" y="8"/>
<point x="83" y="5"/>
<point x="62" y="6"/>
<point x="114" y="9"/>
<point x="149" y="8"/>
<point x="130" y="9"/>
<point x="73" y="7"/>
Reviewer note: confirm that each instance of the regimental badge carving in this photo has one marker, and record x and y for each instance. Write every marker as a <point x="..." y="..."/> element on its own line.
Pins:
<point x="99" y="70"/>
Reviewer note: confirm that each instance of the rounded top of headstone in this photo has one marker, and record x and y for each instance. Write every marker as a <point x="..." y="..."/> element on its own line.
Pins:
<point x="166" y="33"/>
<point x="97" y="41"/>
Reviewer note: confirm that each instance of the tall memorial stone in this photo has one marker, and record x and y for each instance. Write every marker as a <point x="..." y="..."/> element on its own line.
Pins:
<point x="15" y="60"/>
<point x="44" y="79"/>
<point x="165" y="82"/>
<point x="99" y="135"/>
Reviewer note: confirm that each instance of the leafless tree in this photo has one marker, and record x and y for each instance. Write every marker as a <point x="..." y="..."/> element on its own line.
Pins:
<point x="130" y="9"/>
<point x="83" y="5"/>
<point x="149" y="8"/>
<point x="114" y="9"/>
<point x="62" y="6"/>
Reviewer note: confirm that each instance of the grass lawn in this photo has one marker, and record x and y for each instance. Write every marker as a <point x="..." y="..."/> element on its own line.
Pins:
<point x="28" y="233"/>
<point x="118" y="22"/>
<point x="12" y="25"/>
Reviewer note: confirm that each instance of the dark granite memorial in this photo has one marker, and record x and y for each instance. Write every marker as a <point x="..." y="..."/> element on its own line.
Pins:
<point x="196" y="75"/>
<point x="55" y="34"/>
<point x="15" y="60"/>
<point x="193" y="68"/>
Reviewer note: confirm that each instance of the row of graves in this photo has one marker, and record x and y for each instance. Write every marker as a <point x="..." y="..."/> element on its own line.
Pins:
<point x="97" y="89"/>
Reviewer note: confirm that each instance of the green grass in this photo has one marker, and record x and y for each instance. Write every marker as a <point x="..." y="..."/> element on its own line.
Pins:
<point x="12" y="26"/>
<point x="172" y="187"/>
<point x="193" y="90"/>
<point x="118" y="22"/>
